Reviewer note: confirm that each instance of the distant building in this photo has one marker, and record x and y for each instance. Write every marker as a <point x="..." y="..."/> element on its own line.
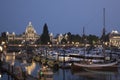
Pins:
<point x="114" y="38"/>
<point x="58" y="38"/>
<point x="29" y="34"/>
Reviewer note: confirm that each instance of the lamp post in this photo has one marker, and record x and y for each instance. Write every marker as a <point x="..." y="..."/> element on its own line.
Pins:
<point x="7" y="34"/>
<point x="11" y="67"/>
<point x="1" y="49"/>
<point x="12" y="64"/>
<point x="0" y="75"/>
<point x="1" y="55"/>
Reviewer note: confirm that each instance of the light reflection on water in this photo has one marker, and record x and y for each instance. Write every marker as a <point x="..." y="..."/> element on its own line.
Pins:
<point x="67" y="74"/>
<point x="6" y="77"/>
<point x="86" y="75"/>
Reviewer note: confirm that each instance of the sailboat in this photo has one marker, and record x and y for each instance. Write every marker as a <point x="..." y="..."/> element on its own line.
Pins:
<point x="97" y="66"/>
<point x="108" y="64"/>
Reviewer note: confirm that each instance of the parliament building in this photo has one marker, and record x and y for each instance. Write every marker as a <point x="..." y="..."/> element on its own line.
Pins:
<point x="29" y="35"/>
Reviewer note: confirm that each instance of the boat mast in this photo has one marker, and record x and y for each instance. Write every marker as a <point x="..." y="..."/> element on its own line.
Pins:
<point x="84" y="41"/>
<point x="104" y="18"/>
<point x="104" y="30"/>
<point x="103" y="34"/>
<point x="83" y="35"/>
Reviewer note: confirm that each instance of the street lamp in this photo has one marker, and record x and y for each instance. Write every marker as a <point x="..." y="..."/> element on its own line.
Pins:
<point x="12" y="64"/>
<point x="50" y="45"/>
<point x="1" y="48"/>
<point x="0" y="75"/>
<point x="7" y="34"/>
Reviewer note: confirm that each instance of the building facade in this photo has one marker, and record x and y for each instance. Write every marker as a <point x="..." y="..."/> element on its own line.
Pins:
<point x="29" y="34"/>
<point x="114" y="38"/>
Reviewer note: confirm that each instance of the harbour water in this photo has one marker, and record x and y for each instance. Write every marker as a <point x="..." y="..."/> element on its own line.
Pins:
<point x="63" y="74"/>
<point x="68" y="74"/>
<point x="5" y="76"/>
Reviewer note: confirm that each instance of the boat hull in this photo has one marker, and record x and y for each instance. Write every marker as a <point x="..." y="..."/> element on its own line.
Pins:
<point x="99" y="67"/>
<point x="76" y="68"/>
<point x="108" y="68"/>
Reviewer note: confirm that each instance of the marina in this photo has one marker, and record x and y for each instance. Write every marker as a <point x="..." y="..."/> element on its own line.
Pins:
<point x="67" y="74"/>
<point x="59" y="40"/>
<point x="17" y="64"/>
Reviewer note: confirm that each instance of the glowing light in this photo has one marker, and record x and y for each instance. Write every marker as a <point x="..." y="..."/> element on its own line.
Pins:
<point x="30" y="68"/>
<point x="20" y="45"/>
<point x="3" y="42"/>
<point x="1" y="49"/>
<point x="0" y="75"/>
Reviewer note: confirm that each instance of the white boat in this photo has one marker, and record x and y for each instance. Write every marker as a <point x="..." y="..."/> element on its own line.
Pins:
<point x="100" y="61"/>
<point x="64" y="58"/>
<point x="96" y="66"/>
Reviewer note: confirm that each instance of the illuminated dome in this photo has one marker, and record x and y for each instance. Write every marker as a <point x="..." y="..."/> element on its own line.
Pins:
<point x="30" y="28"/>
<point x="114" y="32"/>
<point x="51" y="34"/>
<point x="30" y="32"/>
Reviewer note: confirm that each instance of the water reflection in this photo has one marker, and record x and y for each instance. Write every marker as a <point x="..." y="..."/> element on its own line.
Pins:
<point x="5" y="76"/>
<point x="96" y="75"/>
<point x="86" y="75"/>
<point x="68" y="74"/>
<point x="32" y="69"/>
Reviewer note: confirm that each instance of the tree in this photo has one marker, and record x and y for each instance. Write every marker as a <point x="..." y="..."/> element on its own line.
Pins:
<point x="107" y="37"/>
<point x="45" y="38"/>
<point x="73" y="37"/>
<point x="69" y="37"/>
<point x="92" y="39"/>
<point x="63" y="41"/>
<point x="3" y="37"/>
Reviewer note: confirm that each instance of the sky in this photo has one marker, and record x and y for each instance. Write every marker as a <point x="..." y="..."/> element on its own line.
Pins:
<point x="61" y="16"/>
